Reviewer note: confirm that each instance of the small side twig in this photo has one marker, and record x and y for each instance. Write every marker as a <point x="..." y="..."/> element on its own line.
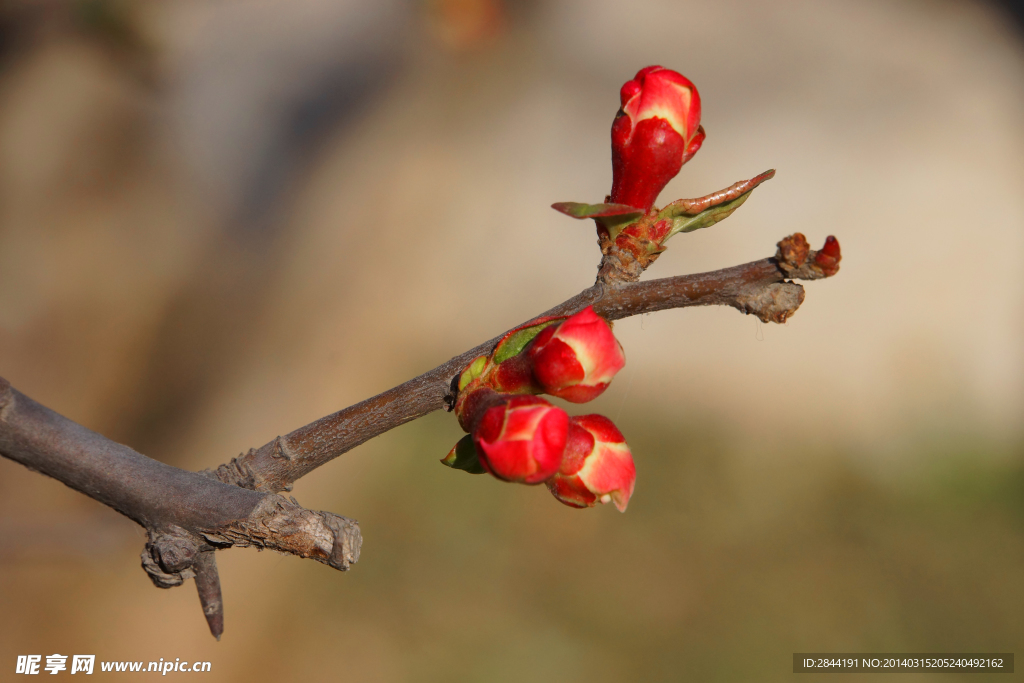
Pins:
<point x="208" y="586"/>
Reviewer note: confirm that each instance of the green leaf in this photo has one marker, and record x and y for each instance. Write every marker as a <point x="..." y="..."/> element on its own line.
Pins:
<point x="463" y="457"/>
<point x="578" y="210"/>
<point x="472" y="371"/>
<point x="707" y="218"/>
<point x="515" y="342"/>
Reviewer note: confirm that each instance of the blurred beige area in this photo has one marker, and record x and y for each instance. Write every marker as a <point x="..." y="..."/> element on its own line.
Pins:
<point x="222" y="220"/>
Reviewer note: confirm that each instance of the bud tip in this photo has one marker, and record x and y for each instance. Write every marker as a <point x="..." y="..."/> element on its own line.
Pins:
<point x="829" y="256"/>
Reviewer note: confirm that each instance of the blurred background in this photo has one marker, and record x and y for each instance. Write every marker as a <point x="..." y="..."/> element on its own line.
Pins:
<point x="222" y="220"/>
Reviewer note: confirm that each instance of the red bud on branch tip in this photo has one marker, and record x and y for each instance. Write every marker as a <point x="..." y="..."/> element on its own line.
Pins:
<point x="597" y="465"/>
<point x="656" y="131"/>
<point x="829" y="256"/>
<point x="831" y="247"/>
<point x="577" y="358"/>
<point x="522" y="439"/>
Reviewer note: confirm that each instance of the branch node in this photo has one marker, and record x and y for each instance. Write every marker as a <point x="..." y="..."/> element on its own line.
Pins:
<point x="798" y="261"/>
<point x="238" y="472"/>
<point x="452" y="394"/>
<point x="620" y="265"/>
<point x="168" y="557"/>
<point x="772" y="303"/>
<point x="281" y="449"/>
<point x="792" y="252"/>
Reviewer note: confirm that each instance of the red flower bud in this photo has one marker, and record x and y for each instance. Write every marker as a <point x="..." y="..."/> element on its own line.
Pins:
<point x="829" y="256"/>
<point x="597" y="465"/>
<point x="656" y="131"/>
<point x="576" y="359"/>
<point x="522" y="439"/>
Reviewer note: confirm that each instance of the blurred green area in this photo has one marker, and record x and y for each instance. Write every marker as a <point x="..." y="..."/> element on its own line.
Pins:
<point x="718" y="571"/>
<point x="714" y="573"/>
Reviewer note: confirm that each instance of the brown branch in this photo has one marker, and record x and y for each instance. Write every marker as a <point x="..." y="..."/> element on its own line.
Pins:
<point x="186" y="514"/>
<point x="759" y="288"/>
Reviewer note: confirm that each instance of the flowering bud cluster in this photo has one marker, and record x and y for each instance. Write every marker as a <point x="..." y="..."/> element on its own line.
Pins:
<point x="655" y="131"/>
<point x="517" y="436"/>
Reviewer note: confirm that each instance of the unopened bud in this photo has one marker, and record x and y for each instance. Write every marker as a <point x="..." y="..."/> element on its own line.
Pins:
<point x="521" y="439"/>
<point x="597" y="465"/>
<point x="577" y="358"/>
<point x="829" y="256"/>
<point x="656" y="131"/>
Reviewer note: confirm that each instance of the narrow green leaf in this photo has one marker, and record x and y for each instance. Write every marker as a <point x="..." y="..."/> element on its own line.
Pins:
<point x="705" y="219"/>
<point x="578" y="210"/>
<point x="693" y="207"/>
